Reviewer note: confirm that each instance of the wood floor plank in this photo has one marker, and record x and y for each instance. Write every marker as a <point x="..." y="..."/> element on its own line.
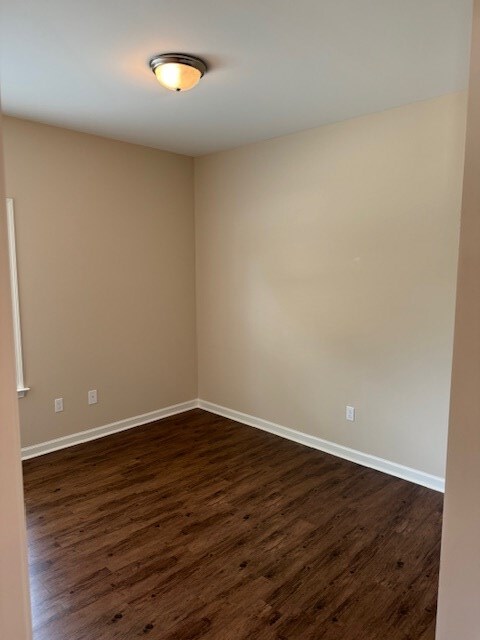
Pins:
<point x="199" y="527"/>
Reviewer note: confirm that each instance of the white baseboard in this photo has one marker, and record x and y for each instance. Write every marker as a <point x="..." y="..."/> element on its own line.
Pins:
<point x="365" y="459"/>
<point x="100" y="432"/>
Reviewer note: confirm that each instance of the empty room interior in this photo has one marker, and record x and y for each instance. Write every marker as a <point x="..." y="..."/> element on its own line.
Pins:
<point x="239" y="320"/>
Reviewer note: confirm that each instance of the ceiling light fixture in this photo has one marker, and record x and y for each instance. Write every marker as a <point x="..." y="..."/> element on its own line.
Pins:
<point x="177" y="71"/>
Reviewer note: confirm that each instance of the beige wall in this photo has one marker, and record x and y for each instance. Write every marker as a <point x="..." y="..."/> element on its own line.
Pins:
<point x="105" y="241"/>
<point x="326" y="265"/>
<point x="458" y="615"/>
<point x="14" y="605"/>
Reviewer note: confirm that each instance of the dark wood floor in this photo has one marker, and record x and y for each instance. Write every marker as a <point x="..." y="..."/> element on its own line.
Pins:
<point x="198" y="527"/>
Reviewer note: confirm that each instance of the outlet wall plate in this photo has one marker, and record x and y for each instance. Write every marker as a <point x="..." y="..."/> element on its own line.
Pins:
<point x="350" y="413"/>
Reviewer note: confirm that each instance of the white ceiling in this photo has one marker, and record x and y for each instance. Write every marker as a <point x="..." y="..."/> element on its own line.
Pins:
<point x="277" y="66"/>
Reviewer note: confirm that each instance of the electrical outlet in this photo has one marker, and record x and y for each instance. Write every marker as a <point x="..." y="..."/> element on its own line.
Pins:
<point x="350" y="413"/>
<point x="58" y="405"/>
<point x="92" y="396"/>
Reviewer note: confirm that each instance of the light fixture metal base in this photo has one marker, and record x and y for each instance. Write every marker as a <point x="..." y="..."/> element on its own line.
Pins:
<point x="178" y="58"/>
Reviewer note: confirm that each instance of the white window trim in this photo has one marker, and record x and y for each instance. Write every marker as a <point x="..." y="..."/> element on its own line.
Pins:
<point x="17" y="333"/>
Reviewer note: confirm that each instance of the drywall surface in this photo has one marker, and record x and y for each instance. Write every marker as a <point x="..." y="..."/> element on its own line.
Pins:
<point x="460" y="562"/>
<point x="326" y="269"/>
<point x="105" y="246"/>
<point x="14" y="596"/>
